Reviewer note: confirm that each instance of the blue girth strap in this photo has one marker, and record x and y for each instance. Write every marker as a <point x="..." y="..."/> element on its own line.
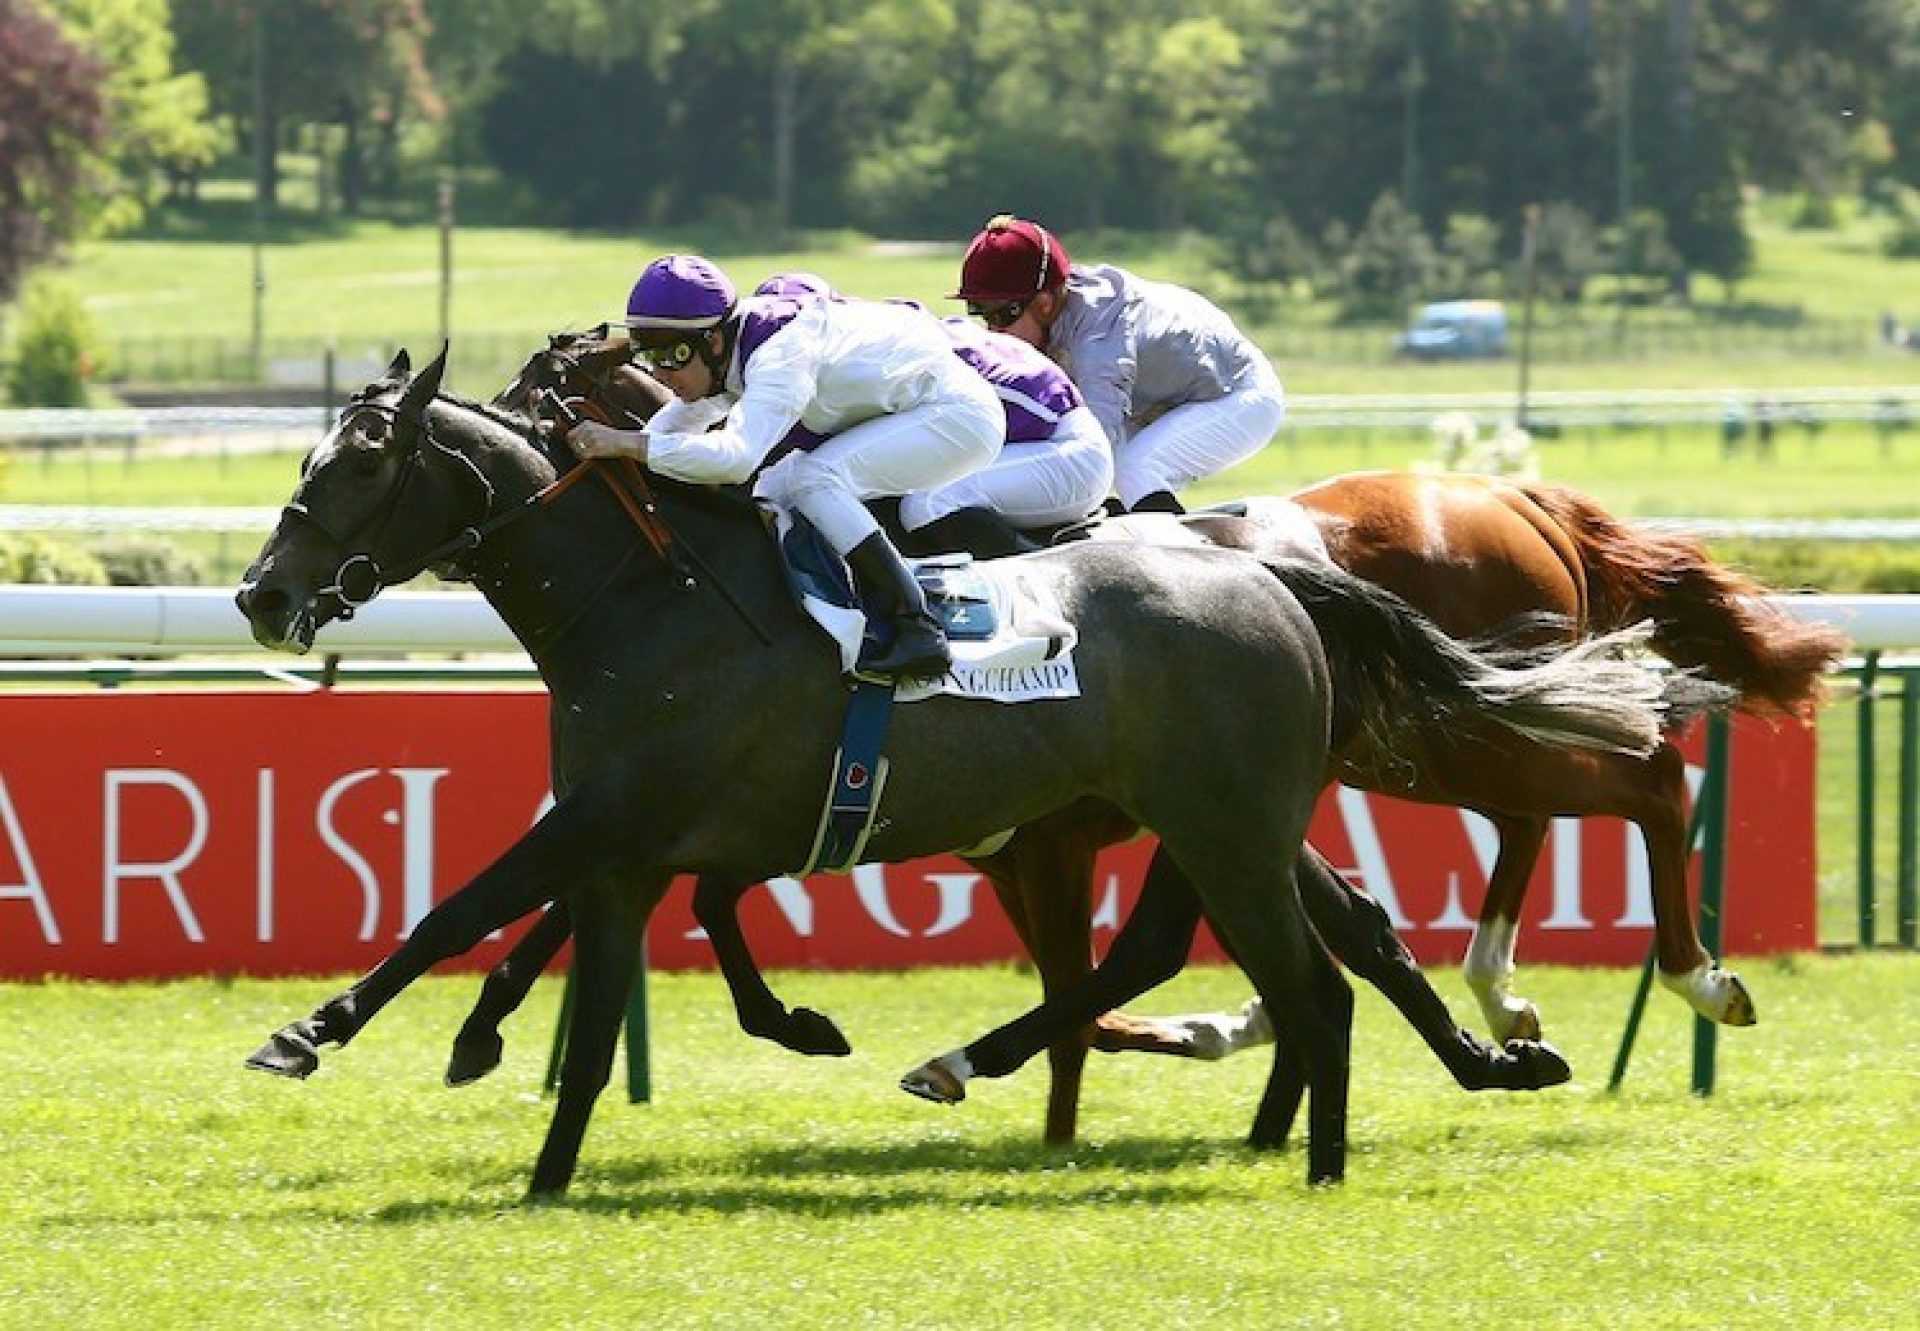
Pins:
<point x="859" y="774"/>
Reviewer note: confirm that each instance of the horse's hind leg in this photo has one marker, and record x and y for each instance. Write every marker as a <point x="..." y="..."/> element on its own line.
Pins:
<point x="1653" y="796"/>
<point x="1648" y="792"/>
<point x="716" y="904"/>
<point x="1241" y="873"/>
<point x="606" y="955"/>
<point x="1044" y="881"/>
<point x="1150" y="948"/>
<point x="478" y="1046"/>
<point x="1359" y="933"/>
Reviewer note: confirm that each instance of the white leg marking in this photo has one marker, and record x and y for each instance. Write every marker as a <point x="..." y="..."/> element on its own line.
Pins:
<point x="1488" y="971"/>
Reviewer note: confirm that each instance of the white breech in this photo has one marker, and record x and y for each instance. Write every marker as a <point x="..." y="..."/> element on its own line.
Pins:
<point x="1197" y="439"/>
<point x="1040" y="484"/>
<point x="959" y="431"/>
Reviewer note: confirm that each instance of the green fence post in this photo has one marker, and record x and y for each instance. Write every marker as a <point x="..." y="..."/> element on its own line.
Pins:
<point x="639" y="1061"/>
<point x="559" y="1054"/>
<point x="1868" y="669"/>
<point x="1713" y="873"/>
<point x="639" y="1052"/>
<point x="1907" y="892"/>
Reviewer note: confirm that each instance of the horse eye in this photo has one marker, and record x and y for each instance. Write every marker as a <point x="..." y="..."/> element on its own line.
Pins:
<point x="376" y="430"/>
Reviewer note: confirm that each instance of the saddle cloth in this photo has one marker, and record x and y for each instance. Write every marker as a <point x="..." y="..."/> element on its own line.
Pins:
<point x="1011" y="642"/>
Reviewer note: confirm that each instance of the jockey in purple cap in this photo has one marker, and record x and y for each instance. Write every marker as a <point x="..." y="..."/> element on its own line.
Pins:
<point x="795" y="285"/>
<point x="882" y="405"/>
<point x="1055" y="469"/>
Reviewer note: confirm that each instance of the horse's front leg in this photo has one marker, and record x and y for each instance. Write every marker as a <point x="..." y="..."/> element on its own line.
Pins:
<point x="1357" y="931"/>
<point x="716" y="905"/>
<point x="610" y="919"/>
<point x="478" y="1047"/>
<point x="554" y="851"/>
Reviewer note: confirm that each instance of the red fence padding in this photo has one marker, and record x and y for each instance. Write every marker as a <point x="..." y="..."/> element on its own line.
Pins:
<point x="168" y="834"/>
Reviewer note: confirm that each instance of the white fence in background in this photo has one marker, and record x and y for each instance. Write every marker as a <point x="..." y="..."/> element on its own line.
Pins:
<point x="1305" y="411"/>
<point x="149" y="621"/>
<point x="99" y="518"/>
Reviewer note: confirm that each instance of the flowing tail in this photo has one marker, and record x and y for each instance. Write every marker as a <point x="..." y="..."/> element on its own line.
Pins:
<point x="1393" y="667"/>
<point x="1706" y="616"/>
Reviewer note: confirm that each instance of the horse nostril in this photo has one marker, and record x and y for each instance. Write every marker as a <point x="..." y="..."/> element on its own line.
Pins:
<point x="255" y="599"/>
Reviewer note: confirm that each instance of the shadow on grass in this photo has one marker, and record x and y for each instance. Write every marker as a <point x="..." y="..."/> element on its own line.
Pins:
<point x="862" y="1181"/>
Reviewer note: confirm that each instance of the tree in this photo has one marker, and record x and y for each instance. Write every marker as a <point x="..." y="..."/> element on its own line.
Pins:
<point x="158" y="124"/>
<point x="356" y="64"/>
<point x="52" y="126"/>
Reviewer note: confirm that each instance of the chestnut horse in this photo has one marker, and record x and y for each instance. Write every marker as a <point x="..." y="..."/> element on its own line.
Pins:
<point x="1472" y="553"/>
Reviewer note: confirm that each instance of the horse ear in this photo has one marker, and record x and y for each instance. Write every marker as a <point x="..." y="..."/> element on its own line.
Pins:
<point x="424" y="386"/>
<point x="402" y="365"/>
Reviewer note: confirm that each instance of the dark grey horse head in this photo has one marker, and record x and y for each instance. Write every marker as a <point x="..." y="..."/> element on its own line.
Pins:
<point x="338" y="538"/>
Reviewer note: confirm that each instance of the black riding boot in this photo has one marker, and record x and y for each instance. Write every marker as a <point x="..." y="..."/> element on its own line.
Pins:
<point x="1160" y="501"/>
<point x="888" y="591"/>
<point x="980" y="532"/>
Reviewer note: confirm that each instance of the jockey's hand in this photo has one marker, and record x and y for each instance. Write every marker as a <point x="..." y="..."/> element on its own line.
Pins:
<point x="591" y="439"/>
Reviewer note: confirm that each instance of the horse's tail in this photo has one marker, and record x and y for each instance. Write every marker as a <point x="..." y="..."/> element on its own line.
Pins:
<point x="1705" y="615"/>
<point x="1393" y="666"/>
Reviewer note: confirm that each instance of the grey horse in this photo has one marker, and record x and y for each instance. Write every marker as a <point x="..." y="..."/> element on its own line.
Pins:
<point x="695" y="712"/>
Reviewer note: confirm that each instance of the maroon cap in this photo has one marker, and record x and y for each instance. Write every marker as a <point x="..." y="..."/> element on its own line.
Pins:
<point x="1013" y="259"/>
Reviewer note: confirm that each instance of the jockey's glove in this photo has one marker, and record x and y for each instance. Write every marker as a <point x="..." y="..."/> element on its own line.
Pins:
<point x="591" y="439"/>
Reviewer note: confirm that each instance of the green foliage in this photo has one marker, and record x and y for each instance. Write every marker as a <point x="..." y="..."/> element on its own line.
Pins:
<point x="57" y="350"/>
<point x="160" y="128"/>
<point x="27" y="558"/>
<point x="1835" y="567"/>
<point x="1389" y="264"/>
<point x="1903" y="237"/>
<point x="1567" y="252"/>
<point x="146" y="561"/>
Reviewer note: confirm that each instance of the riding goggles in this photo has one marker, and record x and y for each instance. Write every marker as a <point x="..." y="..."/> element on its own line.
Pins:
<point x="997" y="314"/>
<point x="675" y="355"/>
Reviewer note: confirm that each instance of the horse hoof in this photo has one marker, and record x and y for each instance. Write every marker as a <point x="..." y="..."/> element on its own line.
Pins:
<point x="935" y="1081"/>
<point x="1740" y="1010"/>
<point x="473" y="1059"/>
<point x="1537" y="1065"/>
<point x="810" y="1032"/>
<point x="287" y="1054"/>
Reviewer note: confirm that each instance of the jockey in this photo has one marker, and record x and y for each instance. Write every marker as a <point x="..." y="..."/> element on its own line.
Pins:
<point x="1054" y="470"/>
<point x="1180" y="392"/>
<point x="795" y="285"/>
<point x="869" y="395"/>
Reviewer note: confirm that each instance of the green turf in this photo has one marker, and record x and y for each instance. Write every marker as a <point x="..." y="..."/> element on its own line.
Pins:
<point x="151" y="1182"/>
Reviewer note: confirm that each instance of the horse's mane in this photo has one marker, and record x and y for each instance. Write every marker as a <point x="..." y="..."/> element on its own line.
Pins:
<point x="727" y="500"/>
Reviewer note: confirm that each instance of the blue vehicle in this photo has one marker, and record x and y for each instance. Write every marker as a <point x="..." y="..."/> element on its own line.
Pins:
<point x="1456" y="330"/>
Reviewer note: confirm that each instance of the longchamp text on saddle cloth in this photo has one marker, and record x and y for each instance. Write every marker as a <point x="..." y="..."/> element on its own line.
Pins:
<point x="1025" y="655"/>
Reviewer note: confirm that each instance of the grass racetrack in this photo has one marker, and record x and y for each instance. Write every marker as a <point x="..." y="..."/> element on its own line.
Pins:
<point x="150" y="1181"/>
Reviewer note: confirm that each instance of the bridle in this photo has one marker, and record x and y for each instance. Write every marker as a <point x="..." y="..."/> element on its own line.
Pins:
<point x="359" y="577"/>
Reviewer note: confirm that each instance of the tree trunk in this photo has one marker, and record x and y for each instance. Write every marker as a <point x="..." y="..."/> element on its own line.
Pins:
<point x="786" y="118"/>
<point x="353" y="166"/>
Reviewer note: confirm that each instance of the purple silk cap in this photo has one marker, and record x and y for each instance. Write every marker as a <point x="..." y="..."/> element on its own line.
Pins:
<point x="679" y="291"/>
